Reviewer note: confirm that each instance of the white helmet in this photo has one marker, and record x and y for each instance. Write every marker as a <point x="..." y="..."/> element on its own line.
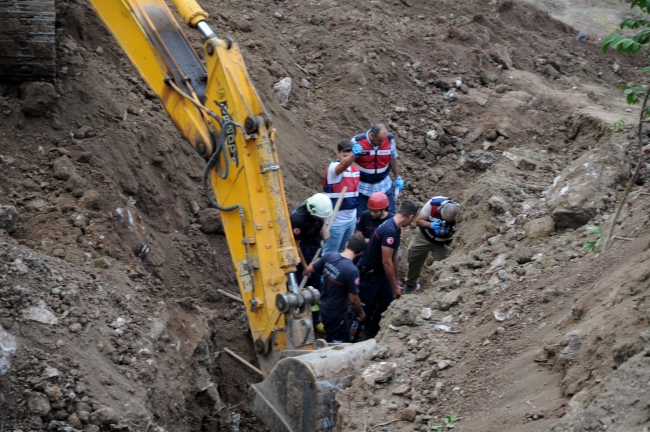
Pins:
<point x="319" y="205"/>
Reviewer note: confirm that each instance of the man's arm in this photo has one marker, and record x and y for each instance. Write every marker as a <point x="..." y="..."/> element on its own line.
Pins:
<point x="317" y="265"/>
<point x="344" y="164"/>
<point x="355" y="301"/>
<point x="325" y="232"/>
<point x="389" y="268"/>
<point x="422" y="222"/>
<point x="304" y="263"/>
<point x="396" y="268"/>
<point x="394" y="167"/>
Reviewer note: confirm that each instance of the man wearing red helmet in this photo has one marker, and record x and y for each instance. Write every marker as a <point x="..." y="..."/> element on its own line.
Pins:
<point x="377" y="213"/>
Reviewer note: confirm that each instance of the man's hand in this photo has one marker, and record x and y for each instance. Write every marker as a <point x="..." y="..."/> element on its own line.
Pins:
<point x="361" y="317"/>
<point x="436" y="226"/>
<point x="399" y="184"/>
<point x="356" y="149"/>
<point x="397" y="293"/>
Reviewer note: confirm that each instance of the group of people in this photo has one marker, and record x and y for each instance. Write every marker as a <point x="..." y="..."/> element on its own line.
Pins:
<point x="357" y="271"/>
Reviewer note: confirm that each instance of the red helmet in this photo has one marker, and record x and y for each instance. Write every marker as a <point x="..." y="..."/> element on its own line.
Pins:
<point x="378" y="201"/>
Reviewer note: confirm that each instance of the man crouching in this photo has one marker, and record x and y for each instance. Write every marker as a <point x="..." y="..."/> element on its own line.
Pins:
<point x="339" y="289"/>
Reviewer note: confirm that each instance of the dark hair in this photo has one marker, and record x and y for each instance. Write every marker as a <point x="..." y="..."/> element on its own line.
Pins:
<point x="344" y="145"/>
<point x="357" y="243"/>
<point x="377" y="127"/>
<point x="408" y="208"/>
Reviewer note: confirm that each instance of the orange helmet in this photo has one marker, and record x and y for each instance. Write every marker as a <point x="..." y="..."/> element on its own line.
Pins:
<point x="378" y="201"/>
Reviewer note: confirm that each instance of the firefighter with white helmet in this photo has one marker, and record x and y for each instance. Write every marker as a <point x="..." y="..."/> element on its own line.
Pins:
<point x="307" y="224"/>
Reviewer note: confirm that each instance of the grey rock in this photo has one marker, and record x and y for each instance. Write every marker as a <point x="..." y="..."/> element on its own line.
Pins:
<point x="401" y="390"/>
<point x="83" y="132"/>
<point x="380" y="352"/>
<point x="450" y="96"/>
<point x="481" y="101"/>
<point x="409" y="414"/>
<point x="104" y="416"/>
<point x="91" y="200"/>
<point x="21" y="267"/>
<point x="378" y="373"/>
<point x="499" y="54"/>
<point x="404" y="317"/>
<point x="494" y="240"/>
<point x="63" y="168"/>
<point x="498" y="205"/>
<point x="488" y="77"/>
<point x="101" y="263"/>
<point x="480" y="160"/>
<point x="525" y="164"/>
<point x="282" y="91"/>
<point x="53" y="393"/>
<point x="540" y="228"/>
<point x="210" y="220"/>
<point x="550" y="71"/>
<point x="576" y="195"/>
<point x="8" y="218"/>
<point x="75" y="182"/>
<point x="38" y="98"/>
<point x="522" y="254"/>
<point x="450" y="299"/>
<point x="38" y="404"/>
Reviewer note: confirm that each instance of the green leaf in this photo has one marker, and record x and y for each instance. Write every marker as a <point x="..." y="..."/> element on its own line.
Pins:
<point x="436" y="428"/>
<point x="632" y="99"/>
<point x="625" y="86"/>
<point x="589" y="246"/>
<point x="594" y="230"/>
<point x="610" y="41"/>
<point x="598" y="242"/>
<point x="646" y="69"/>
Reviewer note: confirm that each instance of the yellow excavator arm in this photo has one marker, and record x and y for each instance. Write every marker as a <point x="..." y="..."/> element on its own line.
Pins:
<point x="216" y="108"/>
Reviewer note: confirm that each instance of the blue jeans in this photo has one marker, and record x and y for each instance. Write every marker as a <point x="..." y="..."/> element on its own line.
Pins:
<point x="362" y="201"/>
<point x="339" y="235"/>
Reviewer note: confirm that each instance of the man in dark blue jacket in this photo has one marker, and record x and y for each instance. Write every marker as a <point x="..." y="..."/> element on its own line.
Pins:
<point x="378" y="267"/>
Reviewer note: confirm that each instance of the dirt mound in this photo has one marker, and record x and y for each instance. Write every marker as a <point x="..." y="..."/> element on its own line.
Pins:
<point x="114" y="247"/>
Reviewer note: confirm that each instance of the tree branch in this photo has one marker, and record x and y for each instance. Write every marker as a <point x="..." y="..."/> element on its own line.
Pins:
<point x="612" y="226"/>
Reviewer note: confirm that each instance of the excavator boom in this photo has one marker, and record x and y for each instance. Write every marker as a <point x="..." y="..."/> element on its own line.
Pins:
<point x="216" y="108"/>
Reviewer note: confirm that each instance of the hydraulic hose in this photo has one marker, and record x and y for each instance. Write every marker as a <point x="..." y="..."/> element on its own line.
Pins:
<point x="214" y="161"/>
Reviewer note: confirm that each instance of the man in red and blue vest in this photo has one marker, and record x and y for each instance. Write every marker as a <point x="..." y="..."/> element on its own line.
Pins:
<point x="437" y="225"/>
<point x="342" y="173"/>
<point x="375" y="155"/>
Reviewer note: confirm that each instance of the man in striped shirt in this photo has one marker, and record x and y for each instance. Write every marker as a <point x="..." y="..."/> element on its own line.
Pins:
<point x="342" y="173"/>
<point x="375" y="154"/>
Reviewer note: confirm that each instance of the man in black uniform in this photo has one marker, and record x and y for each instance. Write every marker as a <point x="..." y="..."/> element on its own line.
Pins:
<point x="307" y="223"/>
<point x="379" y="260"/>
<point x="340" y="288"/>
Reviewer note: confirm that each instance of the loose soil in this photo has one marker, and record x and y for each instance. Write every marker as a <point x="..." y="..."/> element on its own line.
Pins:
<point x="115" y="242"/>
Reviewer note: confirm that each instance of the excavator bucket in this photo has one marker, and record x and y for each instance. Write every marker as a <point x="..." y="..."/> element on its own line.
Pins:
<point x="299" y="393"/>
